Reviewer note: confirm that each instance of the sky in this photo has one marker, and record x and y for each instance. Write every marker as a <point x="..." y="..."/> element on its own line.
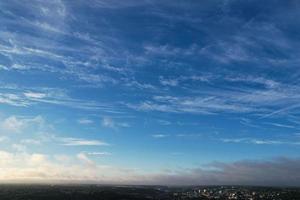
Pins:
<point x="150" y="92"/>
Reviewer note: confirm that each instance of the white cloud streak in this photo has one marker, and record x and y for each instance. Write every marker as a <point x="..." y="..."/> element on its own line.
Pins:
<point x="257" y="141"/>
<point x="81" y="142"/>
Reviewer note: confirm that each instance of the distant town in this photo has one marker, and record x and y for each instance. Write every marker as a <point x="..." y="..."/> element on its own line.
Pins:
<point x="97" y="192"/>
<point x="238" y="193"/>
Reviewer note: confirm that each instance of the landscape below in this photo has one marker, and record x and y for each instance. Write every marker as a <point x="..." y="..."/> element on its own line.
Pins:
<point x="98" y="192"/>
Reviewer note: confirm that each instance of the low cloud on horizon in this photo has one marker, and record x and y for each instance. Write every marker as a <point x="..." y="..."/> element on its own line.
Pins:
<point x="40" y="168"/>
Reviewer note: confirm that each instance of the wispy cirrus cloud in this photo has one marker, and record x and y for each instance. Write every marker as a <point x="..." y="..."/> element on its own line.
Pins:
<point x="47" y="54"/>
<point x="200" y="105"/>
<point x="97" y="55"/>
<point x="25" y="97"/>
<point x="257" y="95"/>
<point x="13" y="100"/>
<point x="258" y="141"/>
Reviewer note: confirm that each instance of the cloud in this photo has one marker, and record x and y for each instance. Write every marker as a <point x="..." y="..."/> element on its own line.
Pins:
<point x="108" y="122"/>
<point x="117" y="4"/>
<point x="83" y="157"/>
<point x="199" y="105"/>
<point x="138" y="85"/>
<point x="85" y="121"/>
<point x="281" y="125"/>
<point x="91" y="62"/>
<point x="163" y="50"/>
<point x="81" y="142"/>
<point x="37" y="52"/>
<point x="62" y="158"/>
<point x="18" y="96"/>
<point x="14" y="124"/>
<point x="42" y="168"/>
<point x="19" y="147"/>
<point x="13" y="100"/>
<point x="168" y="82"/>
<point x="35" y="95"/>
<point x="98" y="153"/>
<point x="254" y="95"/>
<point x="276" y="172"/>
<point x="160" y="136"/>
<point x="164" y="122"/>
<point x="31" y="141"/>
<point x="257" y="141"/>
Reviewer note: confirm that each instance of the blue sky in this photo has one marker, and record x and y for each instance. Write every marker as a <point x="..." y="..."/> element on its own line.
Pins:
<point x="150" y="92"/>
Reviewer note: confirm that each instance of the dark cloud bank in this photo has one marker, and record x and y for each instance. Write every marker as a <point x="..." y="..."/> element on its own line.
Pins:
<point x="276" y="172"/>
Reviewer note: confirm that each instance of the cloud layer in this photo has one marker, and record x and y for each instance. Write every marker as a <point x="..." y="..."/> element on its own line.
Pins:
<point x="42" y="168"/>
